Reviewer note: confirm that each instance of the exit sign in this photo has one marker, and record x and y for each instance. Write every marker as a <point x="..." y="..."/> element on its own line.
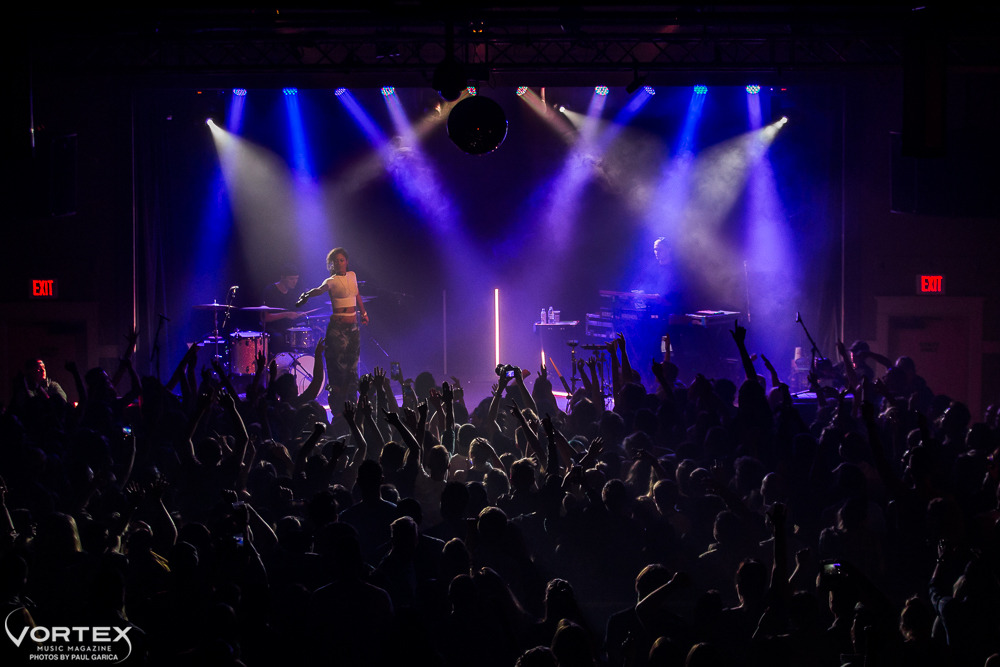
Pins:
<point x="44" y="289"/>
<point x="927" y="284"/>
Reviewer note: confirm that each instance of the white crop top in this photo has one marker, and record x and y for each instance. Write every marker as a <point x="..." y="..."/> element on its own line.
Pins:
<point x="343" y="290"/>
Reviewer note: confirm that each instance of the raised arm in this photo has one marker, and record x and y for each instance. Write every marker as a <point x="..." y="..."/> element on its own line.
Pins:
<point x="616" y="368"/>
<point x="132" y="337"/>
<point x="596" y="392"/>
<point x="350" y="415"/>
<point x="318" y="369"/>
<point x="242" y="437"/>
<point x="224" y="379"/>
<point x="775" y="380"/>
<point x="740" y="337"/>
<point x="495" y="404"/>
<point x="849" y="370"/>
<point x="412" y="446"/>
<point x="202" y="405"/>
<point x="529" y="402"/>
<point x="308" y="294"/>
<point x="530" y="433"/>
<point x="626" y="364"/>
<point x="319" y="428"/>
<point x="384" y="398"/>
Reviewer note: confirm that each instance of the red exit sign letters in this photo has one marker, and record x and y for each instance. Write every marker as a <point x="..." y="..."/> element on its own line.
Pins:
<point x="930" y="284"/>
<point x="44" y="289"/>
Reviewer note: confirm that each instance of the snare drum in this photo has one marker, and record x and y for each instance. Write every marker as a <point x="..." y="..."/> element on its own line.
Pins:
<point x="244" y="346"/>
<point x="300" y="338"/>
<point x="300" y="366"/>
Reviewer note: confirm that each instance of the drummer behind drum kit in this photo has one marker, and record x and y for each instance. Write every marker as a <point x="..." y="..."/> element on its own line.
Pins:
<point x="239" y="350"/>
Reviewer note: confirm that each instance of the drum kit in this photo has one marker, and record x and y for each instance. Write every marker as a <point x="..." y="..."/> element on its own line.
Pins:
<point x="238" y="351"/>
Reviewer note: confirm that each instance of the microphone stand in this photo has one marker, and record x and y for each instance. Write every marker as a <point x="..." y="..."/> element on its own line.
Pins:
<point x="815" y="350"/>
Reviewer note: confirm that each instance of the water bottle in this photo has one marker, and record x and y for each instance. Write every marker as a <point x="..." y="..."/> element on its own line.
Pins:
<point x="550" y="314"/>
<point x="541" y="318"/>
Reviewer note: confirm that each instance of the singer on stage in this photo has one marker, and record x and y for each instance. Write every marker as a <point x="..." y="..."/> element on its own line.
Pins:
<point x="343" y="340"/>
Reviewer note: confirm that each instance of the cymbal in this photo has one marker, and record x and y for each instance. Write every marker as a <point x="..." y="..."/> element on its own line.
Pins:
<point x="594" y="347"/>
<point x="212" y="306"/>
<point x="263" y="308"/>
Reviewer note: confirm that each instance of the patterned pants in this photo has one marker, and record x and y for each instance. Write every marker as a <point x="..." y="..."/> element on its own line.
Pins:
<point x="343" y="348"/>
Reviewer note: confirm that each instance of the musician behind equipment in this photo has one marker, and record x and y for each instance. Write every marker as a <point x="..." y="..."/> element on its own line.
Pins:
<point x="281" y="295"/>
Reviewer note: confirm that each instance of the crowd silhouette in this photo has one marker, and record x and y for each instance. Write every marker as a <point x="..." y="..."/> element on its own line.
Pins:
<point x="701" y="523"/>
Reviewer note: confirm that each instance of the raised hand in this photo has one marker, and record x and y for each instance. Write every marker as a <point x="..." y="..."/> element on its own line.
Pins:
<point x="447" y="395"/>
<point x="227" y="400"/>
<point x="350" y="411"/>
<point x="410" y="418"/>
<point x="596" y="446"/>
<point x="739" y="333"/>
<point x="767" y="364"/>
<point x="364" y="384"/>
<point x="365" y="406"/>
<point x="392" y="418"/>
<point x="434" y="398"/>
<point x="320" y="346"/>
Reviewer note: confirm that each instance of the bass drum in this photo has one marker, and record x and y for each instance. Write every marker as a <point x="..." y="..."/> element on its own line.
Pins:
<point x="299" y="365"/>
<point x="244" y="346"/>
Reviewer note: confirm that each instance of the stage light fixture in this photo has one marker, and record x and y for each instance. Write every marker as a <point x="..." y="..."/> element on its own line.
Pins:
<point x="521" y="90"/>
<point x="477" y="125"/>
<point x="472" y="90"/>
<point x="601" y="90"/>
<point x="388" y="90"/>
<point x="240" y="92"/>
<point x="288" y="92"/>
<point x="340" y="91"/>
<point x="209" y="122"/>
<point x="701" y="90"/>
<point x="649" y="90"/>
<point x="753" y="89"/>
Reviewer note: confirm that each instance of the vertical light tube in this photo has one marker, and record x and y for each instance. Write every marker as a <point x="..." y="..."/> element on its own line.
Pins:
<point x="444" y="327"/>
<point x="496" y="322"/>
